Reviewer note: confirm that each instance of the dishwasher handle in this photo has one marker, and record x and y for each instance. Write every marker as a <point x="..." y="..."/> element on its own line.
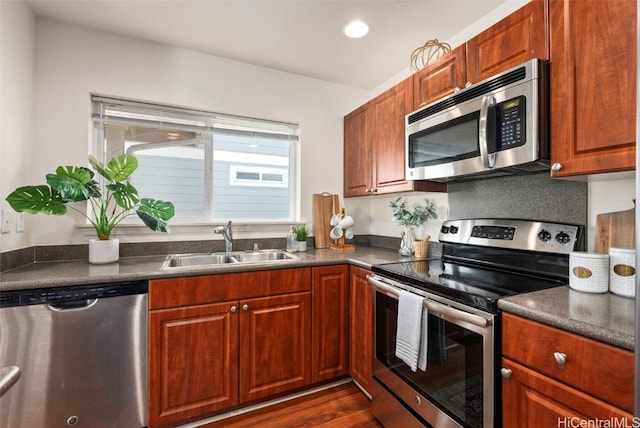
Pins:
<point x="72" y="305"/>
<point x="9" y="375"/>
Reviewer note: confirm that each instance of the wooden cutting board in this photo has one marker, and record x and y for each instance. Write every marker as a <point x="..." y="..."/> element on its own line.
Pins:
<point x="325" y="205"/>
<point x="616" y="229"/>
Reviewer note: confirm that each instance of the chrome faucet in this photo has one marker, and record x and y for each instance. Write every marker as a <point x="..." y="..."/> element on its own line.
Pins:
<point x="227" y="233"/>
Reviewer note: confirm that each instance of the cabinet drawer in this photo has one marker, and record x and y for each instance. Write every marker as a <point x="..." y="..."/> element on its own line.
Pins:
<point x="601" y="370"/>
<point x="197" y="290"/>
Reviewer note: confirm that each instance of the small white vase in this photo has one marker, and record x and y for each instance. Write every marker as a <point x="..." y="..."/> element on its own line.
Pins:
<point x="301" y="245"/>
<point x="101" y="252"/>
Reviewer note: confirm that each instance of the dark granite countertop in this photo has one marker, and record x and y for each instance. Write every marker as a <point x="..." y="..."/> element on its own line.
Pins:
<point x="605" y="317"/>
<point x="59" y="274"/>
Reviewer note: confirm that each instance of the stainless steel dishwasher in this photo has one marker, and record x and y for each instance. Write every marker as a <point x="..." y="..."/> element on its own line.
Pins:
<point x="82" y="356"/>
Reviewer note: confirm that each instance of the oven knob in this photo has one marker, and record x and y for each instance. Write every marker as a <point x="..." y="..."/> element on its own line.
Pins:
<point x="544" y="236"/>
<point x="444" y="229"/>
<point x="453" y="229"/>
<point x="563" y="238"/>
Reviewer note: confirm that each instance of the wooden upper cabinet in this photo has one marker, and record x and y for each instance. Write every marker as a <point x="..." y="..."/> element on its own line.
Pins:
<point x="593" y="86"/>
<point x="390" y="109"/>
<point x="358" y="176"/>
<point x="374" y="146"/>
<point x="519" y="37"/>
<point x="440" y="78"/>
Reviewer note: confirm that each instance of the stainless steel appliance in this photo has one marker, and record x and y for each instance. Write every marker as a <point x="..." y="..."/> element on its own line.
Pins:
<point x="483" y="260"/>
<point x="81" y="352"/>
<point x="497" y="126"/>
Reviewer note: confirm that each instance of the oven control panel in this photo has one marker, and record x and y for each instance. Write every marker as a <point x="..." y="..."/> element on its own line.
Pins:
<point x="515" y="234"/>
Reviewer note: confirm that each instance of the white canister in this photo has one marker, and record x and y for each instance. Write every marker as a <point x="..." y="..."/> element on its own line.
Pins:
<point x="589" y="272"/>
<point x="622" y="271"/>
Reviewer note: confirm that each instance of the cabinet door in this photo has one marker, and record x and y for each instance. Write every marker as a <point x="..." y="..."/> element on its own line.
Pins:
<point x="274" y="345"/>
<point x="193" y="362"/>
<point x="531" y="400"/>
<point x="593" y="86"/>
<point x="361" y="328"/>
<point x="390" y="110"/>
<point x="330" y="322"/>
<point x="519" y="37"/>
<point x="441" y="78"/>
<point x="358" y="152"/>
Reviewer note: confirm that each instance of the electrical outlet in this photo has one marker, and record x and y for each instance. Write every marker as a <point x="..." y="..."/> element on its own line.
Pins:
<point x="19" y="222"/>
<point x="6" y="214"/>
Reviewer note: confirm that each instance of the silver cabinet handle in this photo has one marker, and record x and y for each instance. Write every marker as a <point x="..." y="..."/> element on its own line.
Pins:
<point x="233" y="309"/>
<point x="506" y="373"/>
<point x="8" y="377"/>
<point x="468" y="84"/>
<point x="556" y="167"/>
<point x="560" y="358"/>
<point x="245" y="307"/>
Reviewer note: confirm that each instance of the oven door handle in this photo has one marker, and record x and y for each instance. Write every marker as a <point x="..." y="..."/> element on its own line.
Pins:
<point x="432" y="306"/>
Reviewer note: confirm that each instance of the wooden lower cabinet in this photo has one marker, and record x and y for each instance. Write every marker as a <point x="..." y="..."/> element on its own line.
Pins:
<point x="274" y="345"/>
<point x="361" y="328"/>
<point x="551" y="377"/>
<point x="330" y="337"/>
<point x="532" y="400"/>
<point x="206" y="355"/>
<point x="193" y="361"/>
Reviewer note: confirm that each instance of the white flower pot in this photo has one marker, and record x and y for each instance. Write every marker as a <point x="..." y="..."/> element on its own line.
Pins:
<point x="301" y="245"/>
<point x="101" y="252"/>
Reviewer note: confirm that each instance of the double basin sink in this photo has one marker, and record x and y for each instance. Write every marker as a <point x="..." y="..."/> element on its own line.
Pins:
<point x="174" y="261"/>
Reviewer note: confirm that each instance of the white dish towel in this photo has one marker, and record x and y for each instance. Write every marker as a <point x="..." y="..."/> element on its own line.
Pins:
<point x="411" y="334"/>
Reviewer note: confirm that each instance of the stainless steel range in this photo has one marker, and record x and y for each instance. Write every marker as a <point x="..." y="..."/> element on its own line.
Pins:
<point x="459" y="334"/>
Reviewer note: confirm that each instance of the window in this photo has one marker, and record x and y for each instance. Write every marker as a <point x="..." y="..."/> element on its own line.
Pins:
<point x="212" y="167"/>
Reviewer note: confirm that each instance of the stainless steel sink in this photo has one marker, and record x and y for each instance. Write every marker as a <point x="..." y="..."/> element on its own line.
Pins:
<point x="174" y="261"/>
<point x="262" y="256"/>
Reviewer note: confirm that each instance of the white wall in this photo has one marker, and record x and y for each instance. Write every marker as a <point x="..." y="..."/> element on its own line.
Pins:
<point x="69" y="63"/>
<point x="73" y="62"/>
<point x="17" y="44"/>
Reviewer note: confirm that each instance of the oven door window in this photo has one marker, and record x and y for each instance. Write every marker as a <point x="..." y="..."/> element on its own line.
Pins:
<point x="453" y="379"/>
<point x="450" y="141"/>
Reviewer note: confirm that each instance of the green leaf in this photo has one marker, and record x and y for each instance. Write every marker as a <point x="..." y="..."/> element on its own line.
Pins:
<point x="156" y="208"/>
<point x="125" y="195"/>
<point x="118" y="169"/>
<point x="154" y="223"/>
<point x="70" y="183"/>
<point x="37" y="199"/>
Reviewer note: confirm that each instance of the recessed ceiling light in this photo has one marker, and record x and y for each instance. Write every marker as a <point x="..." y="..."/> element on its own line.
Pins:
<point x="356" y="29"/>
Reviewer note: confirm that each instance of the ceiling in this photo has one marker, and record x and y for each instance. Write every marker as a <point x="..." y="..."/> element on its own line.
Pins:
<point x="297" y="36"/>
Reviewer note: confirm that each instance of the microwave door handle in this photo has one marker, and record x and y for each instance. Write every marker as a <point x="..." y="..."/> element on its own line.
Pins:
<point x="488" y="159"/>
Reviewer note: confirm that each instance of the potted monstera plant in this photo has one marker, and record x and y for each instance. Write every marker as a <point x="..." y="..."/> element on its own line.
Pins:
<point x="120" y="199"/>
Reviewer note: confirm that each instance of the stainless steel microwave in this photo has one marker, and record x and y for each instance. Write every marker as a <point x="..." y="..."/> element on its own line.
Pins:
<point x="494" y="127"/>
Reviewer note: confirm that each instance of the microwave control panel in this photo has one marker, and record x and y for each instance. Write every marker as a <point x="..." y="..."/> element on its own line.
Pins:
<point x="510" y="120"/>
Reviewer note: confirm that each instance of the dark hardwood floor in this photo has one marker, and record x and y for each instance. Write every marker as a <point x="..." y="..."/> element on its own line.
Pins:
<point x="342" y="406"/>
